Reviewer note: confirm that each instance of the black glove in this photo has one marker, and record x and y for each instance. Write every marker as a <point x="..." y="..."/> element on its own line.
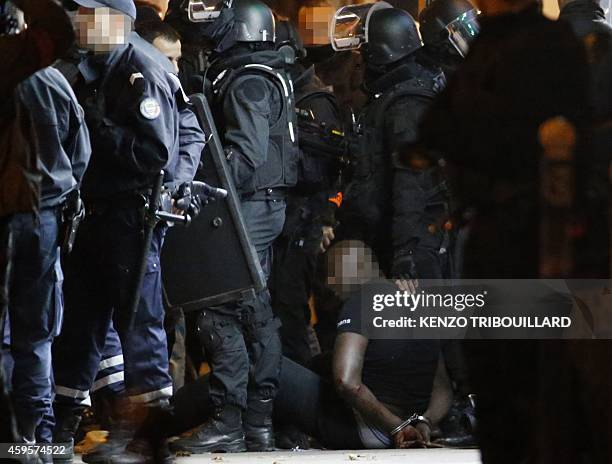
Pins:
<point x="187" y="201"/>
<point x="404" y="267"/>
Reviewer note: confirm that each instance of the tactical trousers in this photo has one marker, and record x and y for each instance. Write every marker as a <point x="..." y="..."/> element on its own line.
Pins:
<point x="241" y="341"/>
<point x="293" y="274"/>
<point x="35" y="312"/>
<point x="99" y="276"/>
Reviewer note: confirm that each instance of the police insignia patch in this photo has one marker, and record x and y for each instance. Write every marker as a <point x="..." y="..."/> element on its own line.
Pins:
<point x="150" y="109"/>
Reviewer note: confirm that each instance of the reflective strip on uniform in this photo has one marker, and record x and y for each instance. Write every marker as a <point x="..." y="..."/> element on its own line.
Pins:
<point x="111" y="362"/>
<point x="71" y="392"/>
<point x="81" y="397"/>
<point x="152" y="396"/>
<point x="107" y="380"/>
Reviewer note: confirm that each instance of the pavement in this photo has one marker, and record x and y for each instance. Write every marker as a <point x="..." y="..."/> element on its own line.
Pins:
<point x="415" y="456"/>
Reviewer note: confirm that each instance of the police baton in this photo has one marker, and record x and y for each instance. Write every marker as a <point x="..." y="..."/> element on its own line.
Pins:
<point x="153" y="214"/>
<point x="150" y="221"/>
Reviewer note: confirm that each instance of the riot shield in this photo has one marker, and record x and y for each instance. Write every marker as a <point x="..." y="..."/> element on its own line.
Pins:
<point x="211" y="261"/>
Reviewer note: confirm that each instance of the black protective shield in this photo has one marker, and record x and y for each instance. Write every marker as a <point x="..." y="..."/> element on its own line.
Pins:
<point x="211" y="261"/>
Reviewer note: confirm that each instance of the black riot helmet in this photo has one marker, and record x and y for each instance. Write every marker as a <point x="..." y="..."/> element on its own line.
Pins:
<point x="385" y="34"/>
<point x="288" y="41"/>
<point x="392" y="35"/>
<point x="449" y="21"/>
<point x="254" y="21"/>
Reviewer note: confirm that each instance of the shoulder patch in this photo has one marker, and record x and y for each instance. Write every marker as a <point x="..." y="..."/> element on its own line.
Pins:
<point x="150" y="108"/>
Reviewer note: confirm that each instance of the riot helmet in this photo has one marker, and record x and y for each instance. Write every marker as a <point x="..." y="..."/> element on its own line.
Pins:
<point x="288" y="41"/>
<point x="387" y="34"/>
<point x="254" y="21"/>
<point x="205" y="10"/>
<point x="229" y="22"/>
<point x="453" y="22"/>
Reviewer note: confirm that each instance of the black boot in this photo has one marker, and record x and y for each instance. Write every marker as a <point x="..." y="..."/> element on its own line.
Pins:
<point x="148" y="446"/>
<point x="120" y="418"/>
<point x="67" y="419"/>
<point x="258" y="428"/>
<point x="221" y="433"/>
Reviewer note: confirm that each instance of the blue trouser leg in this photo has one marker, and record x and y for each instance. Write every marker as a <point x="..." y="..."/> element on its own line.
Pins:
<point x="34" y="310"/>
<point x="110" y="376"/>
<point x="147" y="373"/>
<point x="99" y="272"/>
<point x="97" y="279"/>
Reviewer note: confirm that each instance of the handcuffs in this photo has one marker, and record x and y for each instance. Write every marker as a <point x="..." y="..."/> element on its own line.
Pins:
<point x="412" y="420"/>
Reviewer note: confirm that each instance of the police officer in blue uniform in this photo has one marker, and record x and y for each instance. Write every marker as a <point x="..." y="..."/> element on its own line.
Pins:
<point x="35" y="307"/>
<point x="114" y="376"/>
<point x="133" y="116"/>
<point x="254" y="109"/>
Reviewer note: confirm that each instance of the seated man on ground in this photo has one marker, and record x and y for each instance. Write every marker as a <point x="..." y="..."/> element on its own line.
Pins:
<point x="377" y="384"/>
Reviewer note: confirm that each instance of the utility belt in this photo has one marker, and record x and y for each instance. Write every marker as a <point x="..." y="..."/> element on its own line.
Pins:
<point x="269" y="194"/>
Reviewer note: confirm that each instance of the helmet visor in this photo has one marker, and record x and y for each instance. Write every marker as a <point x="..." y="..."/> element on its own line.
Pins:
<point x="463" y="30"/>
<point x="204" y="11"/>
<point x="349" y="26"/>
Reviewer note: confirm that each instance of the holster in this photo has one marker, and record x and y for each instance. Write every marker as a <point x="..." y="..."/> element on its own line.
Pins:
<point x="72" y="213"/>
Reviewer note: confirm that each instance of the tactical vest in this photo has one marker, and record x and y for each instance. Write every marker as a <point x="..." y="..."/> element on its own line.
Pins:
<point x="317" y="150"/>
<point x="368" y="195"/>
<point x="278" y="171"/>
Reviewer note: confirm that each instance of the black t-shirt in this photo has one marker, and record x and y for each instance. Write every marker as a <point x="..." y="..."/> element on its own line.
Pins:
<point x="399" y="373"/>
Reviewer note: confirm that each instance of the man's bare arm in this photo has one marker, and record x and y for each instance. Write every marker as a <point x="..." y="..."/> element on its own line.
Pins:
<point x="441" y="395"/>
<point x="349" y="352"/>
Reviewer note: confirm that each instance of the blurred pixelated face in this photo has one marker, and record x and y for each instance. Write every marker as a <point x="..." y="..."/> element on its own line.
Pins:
<point x="314" y="24"/>
<point x="101" y="29"/>
<point x="350" y="264"/>
<point x="172" y="51"/>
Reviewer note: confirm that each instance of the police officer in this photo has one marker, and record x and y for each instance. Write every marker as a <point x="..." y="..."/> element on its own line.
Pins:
<point x="253" y="105"/>
<point x="35" y="298"/>
<point x="179" y="172"/>
<point x="23" y="54"/>
<point x="396" y="207"/>
<point x="312" y="204"/>
<point x="196" y="44"/>
<point x="132" y="113"/>
<point x="447" y="28"/>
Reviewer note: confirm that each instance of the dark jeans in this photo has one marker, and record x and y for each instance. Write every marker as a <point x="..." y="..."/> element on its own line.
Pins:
<point x="35" y="312"/>
<point x="241" y="340"/>
<point x="304" y="399"/>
